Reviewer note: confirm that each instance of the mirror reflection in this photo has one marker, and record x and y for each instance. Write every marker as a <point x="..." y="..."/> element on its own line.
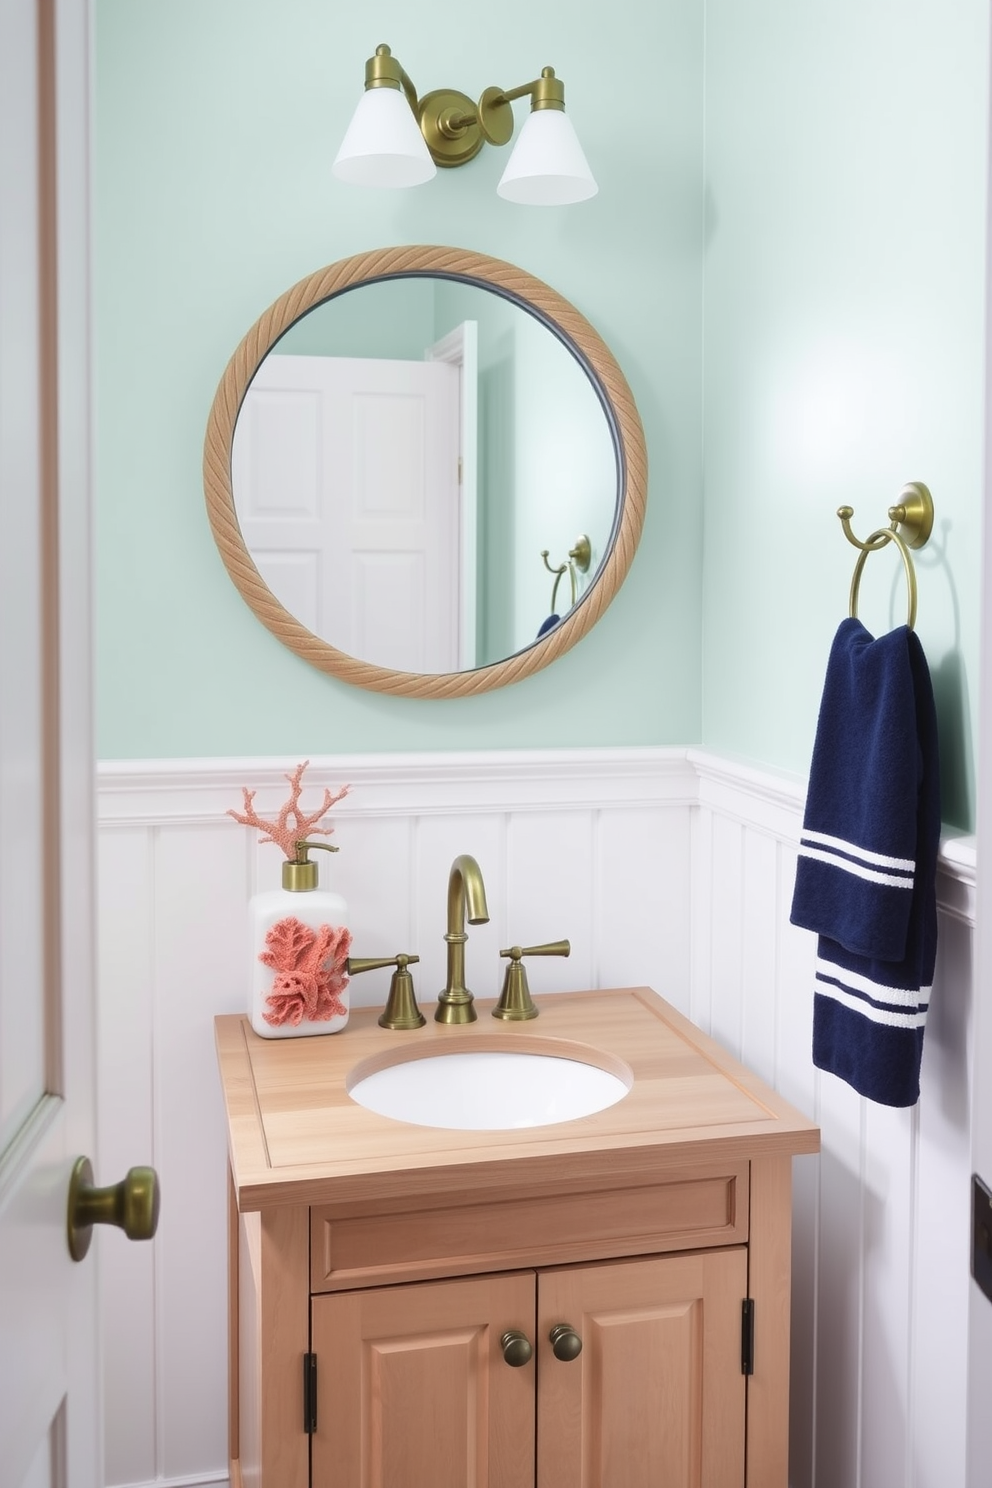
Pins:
<point x="403" y="456"/>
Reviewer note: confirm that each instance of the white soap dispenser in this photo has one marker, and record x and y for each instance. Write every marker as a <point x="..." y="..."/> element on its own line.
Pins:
<point x="299" y="953"/>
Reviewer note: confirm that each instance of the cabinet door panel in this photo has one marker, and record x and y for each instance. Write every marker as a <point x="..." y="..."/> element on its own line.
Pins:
<point x="656" y="1397"/>
<point x="413" y="1391"/>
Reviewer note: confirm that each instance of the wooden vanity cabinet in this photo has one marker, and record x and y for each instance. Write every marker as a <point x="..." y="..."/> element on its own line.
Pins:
<point x="370" y="1295"/>
<point x="413" y="1390"/>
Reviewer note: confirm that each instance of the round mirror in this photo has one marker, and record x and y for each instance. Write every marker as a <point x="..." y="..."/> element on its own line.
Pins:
<point x="425" y="472"/>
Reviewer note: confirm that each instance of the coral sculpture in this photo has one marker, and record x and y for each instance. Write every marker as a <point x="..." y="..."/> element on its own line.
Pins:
<point x="280" y="831"/>
<point x="310" y="972"/>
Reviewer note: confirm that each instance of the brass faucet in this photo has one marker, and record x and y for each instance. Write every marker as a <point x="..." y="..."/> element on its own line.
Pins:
<point x="465" y="889"/>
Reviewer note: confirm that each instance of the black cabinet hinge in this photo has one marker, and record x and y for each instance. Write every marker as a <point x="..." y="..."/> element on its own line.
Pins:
<point x="309" y="1393"/>
<point x="747" y="1336"/>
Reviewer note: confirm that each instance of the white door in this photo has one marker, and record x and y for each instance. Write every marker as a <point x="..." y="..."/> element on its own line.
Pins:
<point x="345" y="477"/>
<point x="49" y="1388"/>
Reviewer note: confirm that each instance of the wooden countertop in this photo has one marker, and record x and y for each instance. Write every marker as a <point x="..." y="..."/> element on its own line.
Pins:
<point x="297" y="1137"/>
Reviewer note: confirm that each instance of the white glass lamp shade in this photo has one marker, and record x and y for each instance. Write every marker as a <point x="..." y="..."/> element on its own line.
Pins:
<point x="547" y="167"/>
<point x="383" y="145"/>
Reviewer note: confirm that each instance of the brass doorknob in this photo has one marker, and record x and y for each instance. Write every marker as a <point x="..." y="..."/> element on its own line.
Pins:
<point x="516" y="1348"/>
<point x="565" y="1342"/>
<point x="132" y="1205"/>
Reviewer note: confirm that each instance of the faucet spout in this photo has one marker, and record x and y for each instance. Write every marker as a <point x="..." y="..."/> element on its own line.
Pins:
<point x="466" y="892"/>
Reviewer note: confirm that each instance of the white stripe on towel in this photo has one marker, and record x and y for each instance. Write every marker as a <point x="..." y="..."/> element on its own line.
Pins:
<point x="879" y="859"/>
<point x="872" y="875"/>
<point x="909" y="997"/>
<point x="868" y="1010"/>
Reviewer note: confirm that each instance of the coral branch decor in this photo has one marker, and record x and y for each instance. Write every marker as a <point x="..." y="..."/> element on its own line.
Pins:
<point x="280" y="831"/>
<point x="310" y="967"/>
<point x="299" y="932"/>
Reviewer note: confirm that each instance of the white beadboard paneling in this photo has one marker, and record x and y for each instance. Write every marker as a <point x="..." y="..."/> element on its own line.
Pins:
<point x="889" y="1206"/>
<point x="374" y="871"/>
<point x="125" y="1033"/>
<point x="802" y="1356"/>
<point x="726" y="934"/>
<point x="700" y="918"/>
<point x="881" y="1295"/>
<point x="941" y="1251"/>
<point x="760" y="937"/>
<point x="200" y="934"/>
<point x="795" y="1076"/>
<point x="439" y="840"/>
<point x="642" y="901"/>
<point x="176" y="875"/>
<point x="546" y="901"/>
<point x="839" y="1286"/>
<point x="663" y="867"/>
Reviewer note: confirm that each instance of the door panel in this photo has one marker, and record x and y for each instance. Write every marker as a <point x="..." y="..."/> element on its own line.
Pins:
<point x="413" y="1390"/>
<point x="656" y="1395"/>
<point x="345" y="473"/>
<point x="49" y="1430"/>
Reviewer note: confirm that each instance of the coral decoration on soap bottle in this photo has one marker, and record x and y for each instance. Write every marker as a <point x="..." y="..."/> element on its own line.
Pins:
<point x="310" y="961"/>
<point x="280" y="832"/>
<point x="310" y="967"/>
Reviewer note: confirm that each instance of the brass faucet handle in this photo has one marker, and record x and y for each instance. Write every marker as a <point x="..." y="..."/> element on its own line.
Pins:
<point x="515" y="1002"/>
<point x="358" y="964"/>
<point x="401" y="1012"/>
<point x="553" y="948"/>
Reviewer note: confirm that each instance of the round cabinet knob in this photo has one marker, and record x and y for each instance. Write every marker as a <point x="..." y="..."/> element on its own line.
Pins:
<point x="516" y="1348"/>
<point x="565" y="1342"/>
<point x="132" y="1205"/>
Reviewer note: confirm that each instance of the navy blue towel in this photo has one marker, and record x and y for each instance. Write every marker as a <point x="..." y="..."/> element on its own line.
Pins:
<point x="866" y="877"/>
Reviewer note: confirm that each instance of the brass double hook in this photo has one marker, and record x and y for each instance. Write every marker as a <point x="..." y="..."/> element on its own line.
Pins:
<point x="579" y="559"/>
<point x="914" y="515"/>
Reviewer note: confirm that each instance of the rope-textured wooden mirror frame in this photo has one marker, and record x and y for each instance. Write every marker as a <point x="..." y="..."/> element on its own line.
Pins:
<point x="571" y="327"/>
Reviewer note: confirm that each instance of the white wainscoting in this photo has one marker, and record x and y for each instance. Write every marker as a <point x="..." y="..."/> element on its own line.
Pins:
<point x="663" y="867"/>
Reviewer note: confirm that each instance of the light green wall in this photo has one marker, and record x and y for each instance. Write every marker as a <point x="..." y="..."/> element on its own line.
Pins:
<point x="815" y="264"/>
<point x="216" y="125"/>
<point x="392" y="319"/>
<point x="844" y="334"/>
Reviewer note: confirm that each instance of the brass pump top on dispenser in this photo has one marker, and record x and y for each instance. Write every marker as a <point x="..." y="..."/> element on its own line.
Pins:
<point x="299" y="875"/>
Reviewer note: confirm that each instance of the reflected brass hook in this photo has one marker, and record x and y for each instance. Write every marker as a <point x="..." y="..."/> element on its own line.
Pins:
<point x="579" y="558"/>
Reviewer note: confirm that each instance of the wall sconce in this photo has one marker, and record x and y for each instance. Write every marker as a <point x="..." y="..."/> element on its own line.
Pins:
<point x="397" y="140"/>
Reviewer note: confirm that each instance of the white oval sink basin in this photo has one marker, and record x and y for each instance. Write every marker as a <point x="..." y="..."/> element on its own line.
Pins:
<point x="485" y="1090"/>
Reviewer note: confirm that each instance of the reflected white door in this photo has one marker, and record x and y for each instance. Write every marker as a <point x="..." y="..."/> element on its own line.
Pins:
<point x="345" y="475"/>
<point x="49" y="1432"/>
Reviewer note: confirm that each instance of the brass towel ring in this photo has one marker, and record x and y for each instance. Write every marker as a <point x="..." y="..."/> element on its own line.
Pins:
<point x="914" y="514"/>
<point x="886" y="534"/>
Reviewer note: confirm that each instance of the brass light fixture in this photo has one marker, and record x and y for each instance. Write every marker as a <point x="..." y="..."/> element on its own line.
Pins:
<point x="396" y="138"/>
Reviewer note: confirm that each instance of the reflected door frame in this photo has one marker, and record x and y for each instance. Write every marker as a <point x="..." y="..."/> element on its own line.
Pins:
<point x="460" y="348"/>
